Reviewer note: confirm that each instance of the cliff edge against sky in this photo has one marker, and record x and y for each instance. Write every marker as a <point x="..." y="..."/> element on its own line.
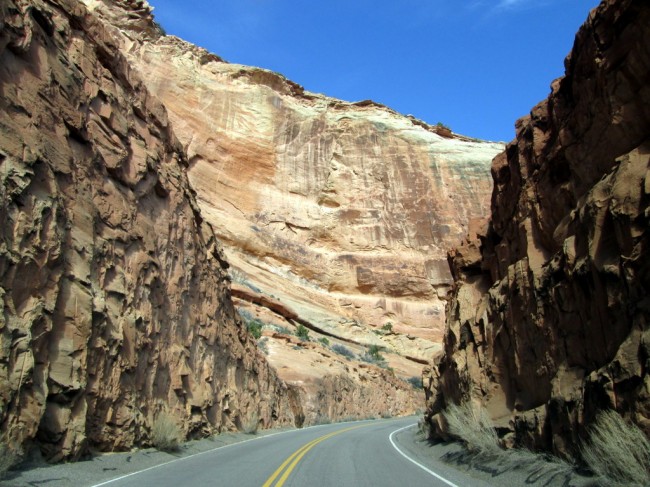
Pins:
<point x="549" y="318"/>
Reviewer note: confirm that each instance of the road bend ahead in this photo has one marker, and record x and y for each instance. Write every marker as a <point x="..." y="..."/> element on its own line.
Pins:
<point x="367" y="453"/>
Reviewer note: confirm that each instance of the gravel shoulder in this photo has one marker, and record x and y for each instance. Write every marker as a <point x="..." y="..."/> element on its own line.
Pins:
<point x="103" y="467"/>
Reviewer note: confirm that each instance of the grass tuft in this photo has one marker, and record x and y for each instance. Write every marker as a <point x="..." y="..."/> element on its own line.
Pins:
<point x="342" y="350"/>
<point x="8" y="458"/>
<point x="617" y="451"/>
<point x="165" y="434"/>
<point x="251" y="424"/>
<point x="473" y="425"/>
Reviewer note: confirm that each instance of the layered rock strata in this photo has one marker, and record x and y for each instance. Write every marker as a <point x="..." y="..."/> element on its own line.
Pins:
<point x="549" y="320"/>
<point x="115" y="296"/>
<point x="344" y="211"/>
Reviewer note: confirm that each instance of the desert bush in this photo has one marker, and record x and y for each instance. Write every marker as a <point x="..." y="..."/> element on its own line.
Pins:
<point x="415" y="381"/>
<point x="473" y="425"/>
<point x="373" y="356"/>
<point x="303" y="333"/>
<point x="255" y="328"/>
<point x="263" y="345"/>
<point x="617" y="451"/>
<point x="341" y="350"/>
<point x="250" y="424"/>
<point x="388" y="327"/>
<point x="165" y="434"/>
<point x="8" y="458"/>
<point x="324" y="341"/>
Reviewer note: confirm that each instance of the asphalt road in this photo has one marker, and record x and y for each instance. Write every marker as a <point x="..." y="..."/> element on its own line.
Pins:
<point x="372" y="453"/>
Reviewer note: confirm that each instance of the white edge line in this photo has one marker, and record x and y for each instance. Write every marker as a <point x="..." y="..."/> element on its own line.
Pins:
<point x="192" y="456"/>
<point x="390" y="437"/>
<point x="116" y="479"/>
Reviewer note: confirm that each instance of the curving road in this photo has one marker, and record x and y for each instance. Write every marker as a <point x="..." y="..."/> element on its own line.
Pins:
<point x="367" y="453"/>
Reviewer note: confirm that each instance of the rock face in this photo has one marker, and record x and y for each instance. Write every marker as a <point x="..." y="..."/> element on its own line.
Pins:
<point x="343" y="211"/>
<point x="115" y="297"/>
<point x="335" y="216"/>
<point x="550" y="315"/>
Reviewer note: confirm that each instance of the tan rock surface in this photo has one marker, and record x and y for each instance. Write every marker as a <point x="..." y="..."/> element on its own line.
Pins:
<point x="114" y="290"/>
<point x="335" y="215"/>
<point x="549" y="323"/>
<point x="344" y="211"/>
<point x="116" y="299"/>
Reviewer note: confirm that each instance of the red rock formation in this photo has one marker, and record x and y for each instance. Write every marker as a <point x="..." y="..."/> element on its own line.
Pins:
<point x="343" y="210"/>
<point x="115" y="297"/>
<point x="337" y="215"/>
<point x="550" y="322"/>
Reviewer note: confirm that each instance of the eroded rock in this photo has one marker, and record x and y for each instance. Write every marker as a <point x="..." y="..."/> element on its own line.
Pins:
<point x="551" y="323"/>
<point x="116" y="303"/>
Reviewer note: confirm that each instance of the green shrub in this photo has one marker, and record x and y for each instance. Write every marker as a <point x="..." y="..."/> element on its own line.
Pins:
<point x="415" y="381"/>
<point x="263" y="345"/>
<point x="388" y="327"/>
<point x="373" y="356"/>
<point x="341" y="350"/>
<point x="375" y="352"/>
<point x="324" y="341"/>
<point x="303" y="333"/>
<point x="255" y="328"/>
<point x="617" y="451"/>
<point x="165" y="434"/>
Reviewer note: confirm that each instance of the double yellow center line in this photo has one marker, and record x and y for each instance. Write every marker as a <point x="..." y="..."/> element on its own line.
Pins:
<point x="295" y="458"/>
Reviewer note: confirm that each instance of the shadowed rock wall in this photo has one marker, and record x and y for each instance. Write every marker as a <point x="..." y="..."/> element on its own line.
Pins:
<point x="549" y="318"/>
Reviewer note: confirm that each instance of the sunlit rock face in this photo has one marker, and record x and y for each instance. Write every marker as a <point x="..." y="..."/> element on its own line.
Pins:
<point x="116" y="301"/>
<point x="549" y="317"/>
<point x="344" y="211"/>
<point x="116" y="292"/>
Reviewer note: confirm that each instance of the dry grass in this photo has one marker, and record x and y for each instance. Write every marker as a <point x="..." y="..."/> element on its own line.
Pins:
<point x="251" y="424"/>
<point x="165" y="434"/>
<point x="472" y="424"/>
<point x="8" y="458"/>
<point x="617" y="451"/>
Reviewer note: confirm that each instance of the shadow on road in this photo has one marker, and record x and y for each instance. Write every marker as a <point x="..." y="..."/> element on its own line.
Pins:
<point x="531" y="468"/>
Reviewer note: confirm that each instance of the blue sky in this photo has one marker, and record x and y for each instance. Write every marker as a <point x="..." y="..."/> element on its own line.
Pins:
<point x="475" y="65"/>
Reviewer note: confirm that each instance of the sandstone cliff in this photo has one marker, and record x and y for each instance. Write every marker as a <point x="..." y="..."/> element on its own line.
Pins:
<point x="116" y="292"/>
<point x="115" y="296"/>
<point x="549" y="320"/>
<point x="343" y="211"/>
<point x="334" y="216"/>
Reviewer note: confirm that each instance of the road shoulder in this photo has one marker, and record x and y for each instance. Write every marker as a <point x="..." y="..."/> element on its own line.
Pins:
<point x="103" y="467"/>
<point x="505" y="468"/>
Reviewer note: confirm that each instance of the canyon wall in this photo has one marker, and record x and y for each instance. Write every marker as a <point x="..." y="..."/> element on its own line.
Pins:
<point x="549" y="320"/>
<point x="333" y="216"/>
<point x="343" y="211"/>
<point x="116" y="301"/>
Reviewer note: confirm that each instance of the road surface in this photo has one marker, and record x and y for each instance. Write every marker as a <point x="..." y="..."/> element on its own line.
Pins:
<point x="368" y="453"/>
